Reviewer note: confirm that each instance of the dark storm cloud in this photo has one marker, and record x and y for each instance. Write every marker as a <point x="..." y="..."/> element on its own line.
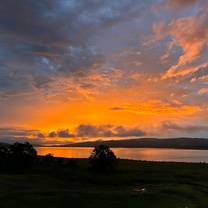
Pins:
<point x="11" y="135"/>
<point x="52" y="134"/>
<point x="64" y="133"/>
<point x="19" y="132"/>
<point x="85" y="130"/>
<point x="121" y="131"/>
<point x="58" y="21"/>
<point x="189" y="128"/>
<point x="41" y="39"/>
<point x="11" y="140"/>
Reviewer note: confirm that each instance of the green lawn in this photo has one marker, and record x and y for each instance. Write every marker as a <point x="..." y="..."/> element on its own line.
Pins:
<point x="133" y="184"/>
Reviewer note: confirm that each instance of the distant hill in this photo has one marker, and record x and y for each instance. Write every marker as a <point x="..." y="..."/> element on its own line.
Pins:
<point x="178" y="143"/>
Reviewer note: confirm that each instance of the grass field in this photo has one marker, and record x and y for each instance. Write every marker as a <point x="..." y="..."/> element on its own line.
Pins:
<point x="133" y="184"/>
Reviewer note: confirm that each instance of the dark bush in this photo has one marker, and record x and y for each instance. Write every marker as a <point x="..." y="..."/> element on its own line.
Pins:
<point x="102" y="158"/>
<point x="48" y="162"/>
<point x="48" y="159"/>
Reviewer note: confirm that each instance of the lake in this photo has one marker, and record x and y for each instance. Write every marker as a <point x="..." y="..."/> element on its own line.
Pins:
<point x="150" y="154"/>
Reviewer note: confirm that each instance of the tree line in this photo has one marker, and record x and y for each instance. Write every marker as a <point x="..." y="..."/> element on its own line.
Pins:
<point x="20" y="156"/>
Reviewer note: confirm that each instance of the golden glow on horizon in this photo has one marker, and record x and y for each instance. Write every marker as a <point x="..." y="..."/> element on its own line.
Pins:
<point x="135" y="106"/>
<point x="143" y="114"/>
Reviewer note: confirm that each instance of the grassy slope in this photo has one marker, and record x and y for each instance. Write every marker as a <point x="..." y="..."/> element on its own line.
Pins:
<point x="166" y="185"/>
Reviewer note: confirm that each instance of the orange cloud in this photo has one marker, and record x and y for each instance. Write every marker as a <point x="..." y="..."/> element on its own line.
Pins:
<point x="191" y="34"/>
<point x="158" y="108"/>
<point x="203" y="91"/>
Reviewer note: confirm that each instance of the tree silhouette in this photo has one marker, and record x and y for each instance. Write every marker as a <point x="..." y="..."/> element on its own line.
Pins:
<point x="4" y="156"/>
<point x="22" y="154"/>
<point x="102" y="158"/>
<point x="17" y="156"/>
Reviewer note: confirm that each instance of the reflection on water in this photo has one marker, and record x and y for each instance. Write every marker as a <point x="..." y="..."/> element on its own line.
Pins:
<point x="151" y="154"/>
<point x="70" y="152"/>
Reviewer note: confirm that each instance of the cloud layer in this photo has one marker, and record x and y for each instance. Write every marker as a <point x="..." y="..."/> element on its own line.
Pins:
<point x="107" y="131"/>
<point x="77" y="63"/>
<point x="43" y="39"/>
<point x="83" y="131"/>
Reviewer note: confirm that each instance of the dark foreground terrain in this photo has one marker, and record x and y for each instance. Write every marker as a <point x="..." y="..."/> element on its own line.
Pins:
<point x="133" y="184"/>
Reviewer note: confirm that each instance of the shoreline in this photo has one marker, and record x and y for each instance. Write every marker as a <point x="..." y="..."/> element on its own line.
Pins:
<point x="146" y="147"/>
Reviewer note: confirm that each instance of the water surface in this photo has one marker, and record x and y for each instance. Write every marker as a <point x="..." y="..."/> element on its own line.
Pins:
<point x="150" y="154"/>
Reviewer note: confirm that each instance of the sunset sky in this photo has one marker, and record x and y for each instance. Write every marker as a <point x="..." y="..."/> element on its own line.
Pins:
<point x="76" y="70"/>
